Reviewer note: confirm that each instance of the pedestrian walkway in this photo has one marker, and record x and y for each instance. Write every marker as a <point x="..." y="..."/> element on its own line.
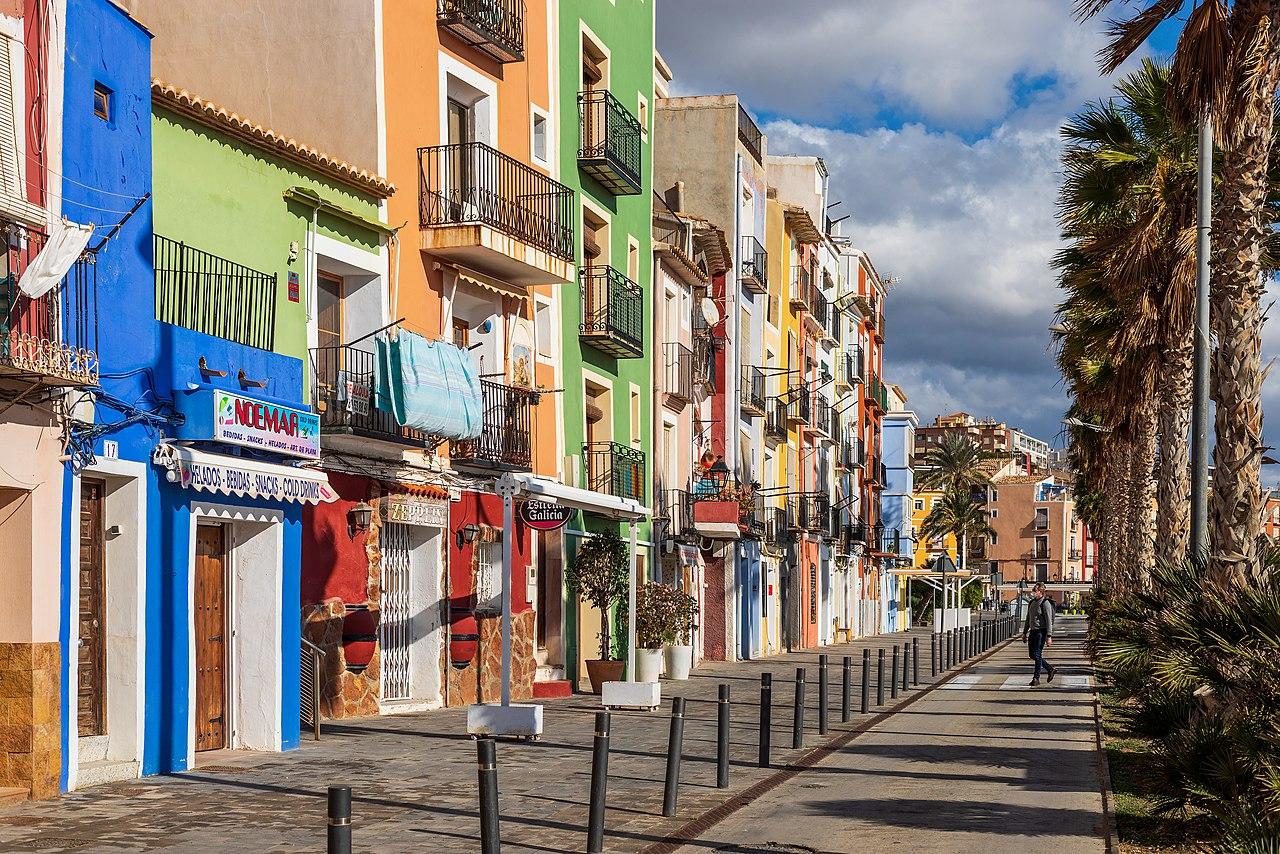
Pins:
<point x="992" y="764"/>
<point x="414" y="776"/>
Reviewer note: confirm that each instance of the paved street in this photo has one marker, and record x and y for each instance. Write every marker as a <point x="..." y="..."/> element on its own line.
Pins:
<point x="979" y="767"/>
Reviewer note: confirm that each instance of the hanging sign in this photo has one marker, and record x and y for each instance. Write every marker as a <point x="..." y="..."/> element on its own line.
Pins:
<point x="407" y="510"/>
<point x="253" y="423"/>
<point x="357" y="392"/>
<point x="293" y="287"/>
<point x="544" y="516"/>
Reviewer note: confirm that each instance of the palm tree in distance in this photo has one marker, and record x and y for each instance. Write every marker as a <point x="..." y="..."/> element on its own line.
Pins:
<point x="954" y="463"/>
<point x="956" y="512"/>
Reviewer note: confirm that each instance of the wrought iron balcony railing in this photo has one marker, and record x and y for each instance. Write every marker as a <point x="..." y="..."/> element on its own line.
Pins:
<point x="801" y="293"/>
<point x="852" y="455"/>
<point x="877" y="393"/>
<point x="50" y="340"/>
<point x="471" y="183"/>
<point x="777" y="527"/>
<point x="749" y="134"/>
<point x="675" y="512"/>
<point x="1074" y="554"/>
<point x="754" y="266"/>
<point x="677" y="373"/>
<point x="200" y="291"/>
<point x="506" y="437"/>
<point x="609" y="147"/>
<point x="822" y="417"/>
<point x="615" y="469"/>
<point x="612" y="312"/>
<point x="753" y="517"/>
<point x="816" y="317"/>
<point x="753" y="399"/>
<point x="849" y="370"/>
<point x="495" y="27"/>
<point x="798" y="399"/>
<point x="342" y="393"/>
<point x="775" y="420"/>
<point x="815" y="512"/>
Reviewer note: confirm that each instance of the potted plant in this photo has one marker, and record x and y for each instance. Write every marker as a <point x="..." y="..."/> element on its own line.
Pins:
<point x="600" y="573"/>
<point x="654" y="620"/>
<point x="679" y="650"/>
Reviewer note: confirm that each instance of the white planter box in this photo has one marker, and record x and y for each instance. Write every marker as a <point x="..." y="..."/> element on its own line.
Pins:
<point x="679" y="661"/>
<point x="648" y="665"/>
<point x="631" y="695"/>
<point x="523" y="720"/>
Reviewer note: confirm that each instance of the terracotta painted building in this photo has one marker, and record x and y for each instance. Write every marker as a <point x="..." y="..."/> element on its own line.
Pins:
<point x="1038" y="535"/>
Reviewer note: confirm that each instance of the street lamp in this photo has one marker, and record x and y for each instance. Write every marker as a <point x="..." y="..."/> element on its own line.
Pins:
<point x="719" y="474"/>
<point x="1085" y="425"/>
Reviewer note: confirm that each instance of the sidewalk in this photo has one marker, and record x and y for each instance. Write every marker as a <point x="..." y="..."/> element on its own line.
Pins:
<point x="414" y="776"/>
<point x="984" y="763"/>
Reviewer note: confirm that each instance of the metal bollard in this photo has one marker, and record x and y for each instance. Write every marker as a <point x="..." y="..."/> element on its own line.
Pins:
<point x="880" y="677"/>
<point x="766" y="716"/>
<point x="933" y="655"/>
<point x="339" y="841"/>
<point x="822" y="695"/>
<point x="893" y="682"/>
<point x="906" y="665"/>
<point x="797" y="712"/>
<point x="675" y="744"/>
<point x="951" y="648"/>
<point x="599" y="784"/>
<point x="846" y="679"/>
<point x="866" y="680"/>
<point x="915" y="661"/>
<point x="722" y="739"/>
<point x="487" y="766"/>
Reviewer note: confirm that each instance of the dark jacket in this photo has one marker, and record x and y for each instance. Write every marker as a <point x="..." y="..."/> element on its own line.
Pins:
<point x="1040" y="616"/>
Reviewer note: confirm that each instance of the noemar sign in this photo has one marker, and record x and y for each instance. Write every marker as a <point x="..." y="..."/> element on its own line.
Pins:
<point x="240" y="420"/>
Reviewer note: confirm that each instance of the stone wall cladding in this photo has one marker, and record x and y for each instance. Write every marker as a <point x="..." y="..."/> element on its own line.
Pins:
<point x="481" y="680"/>
<point x="30" y="744"/>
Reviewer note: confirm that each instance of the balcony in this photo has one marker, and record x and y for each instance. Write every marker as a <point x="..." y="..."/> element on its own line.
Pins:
<point x="51" y="340"/>
<point x="754" y="402"/>
<point x="815" y="319"/>
<point x="753" y="517"/>
<point x="612" y="312"/>
<point x="342" y="387"/>
<point x="675" y="513"/>
<point x="851" y="454"/>
<point x="754" y="274"/>
<point x="506" y="436"/>
<point x="677" y="375"/>
<point x="777" y="532"/>
<point x="720" y="510"/>
<point x="823" y="423"/>
<point x="798" y="403"/>
<point x="775" y="421"/>
<point x="493" y="214"/>
<point x="609" y="146"/>
<point x="749" y="135"/>
<point x="615" y="469"/>
<point x="801" y="292"/>
<point x="494" y="27"/>
<point x="877" y="393"/>
<point x="815" y="512"/>
<point x="849" y="371"/>
<point x="200" y="291"/>
<point x="1074" y="554"/>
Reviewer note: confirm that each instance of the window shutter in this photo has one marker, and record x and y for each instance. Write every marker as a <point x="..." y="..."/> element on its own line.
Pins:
<point x="13" y="197"/>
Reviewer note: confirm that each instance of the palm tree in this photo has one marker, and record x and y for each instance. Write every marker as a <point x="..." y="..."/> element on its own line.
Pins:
<point x="1226" y="65"/>
<point x="954" y="463"/>
<point x="956" y="512"/>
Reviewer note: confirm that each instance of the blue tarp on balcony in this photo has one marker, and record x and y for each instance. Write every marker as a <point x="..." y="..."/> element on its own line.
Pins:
<point x="430" y="386"/>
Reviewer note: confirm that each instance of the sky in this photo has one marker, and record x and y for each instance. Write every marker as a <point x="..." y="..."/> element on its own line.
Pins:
<point x="939" y="124"/>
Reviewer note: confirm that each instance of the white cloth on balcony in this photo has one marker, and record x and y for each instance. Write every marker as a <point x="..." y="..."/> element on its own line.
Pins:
<point x="430" y="386"/>
<point x="67" y="241"/>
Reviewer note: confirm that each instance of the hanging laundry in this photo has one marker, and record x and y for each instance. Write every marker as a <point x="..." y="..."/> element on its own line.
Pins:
<point x="430" y="386"/>
<point x="67" y="241"/>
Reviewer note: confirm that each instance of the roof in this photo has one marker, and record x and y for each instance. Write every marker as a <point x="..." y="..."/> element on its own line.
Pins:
<point x="214" y="115"/>
<point x="801" y="223"/>
<point x="710" y="239"/>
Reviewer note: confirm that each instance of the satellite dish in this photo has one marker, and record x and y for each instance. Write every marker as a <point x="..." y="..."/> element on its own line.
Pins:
<point x="709" y="311"/>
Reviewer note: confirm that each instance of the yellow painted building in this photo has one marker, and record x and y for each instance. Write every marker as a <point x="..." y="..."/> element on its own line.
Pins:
<point x="927" y="549"/>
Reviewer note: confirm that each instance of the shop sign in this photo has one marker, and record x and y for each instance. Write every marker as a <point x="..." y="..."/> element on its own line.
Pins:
<point x="406" y="510"/>
<point x="241" y="420"/>
<point x="269" y="485"/>
<point x="544" y="516"/>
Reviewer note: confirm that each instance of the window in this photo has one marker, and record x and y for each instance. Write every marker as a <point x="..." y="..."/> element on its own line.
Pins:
<point x="461" y="333"/>
<point x="642" y="114"/>
<point x="992" y="538"/>
<point x="919" y="504"/>
<point x="993" y="566"/>
<point x="995" y="496"/>
<point x="539" y="144"/>
<point x="1042" y="518"/>
<point x="102" y="102"/>
<point x="1042" y="572"/>
<point x="994" y="513"/>
<point x="635" y="417"/>
<point x="489" y="577"/>
<point x="1042" y="547"/>
<point x="329" y="294"/>
<point x="633" y="259"/>
<point x="543" y="329"/>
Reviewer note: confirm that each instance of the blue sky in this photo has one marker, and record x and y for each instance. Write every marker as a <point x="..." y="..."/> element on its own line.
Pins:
<point x="939" y="122"/>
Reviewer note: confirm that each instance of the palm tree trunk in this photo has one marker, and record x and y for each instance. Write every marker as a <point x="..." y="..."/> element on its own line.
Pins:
<point x="1142" y="487"/>
<point x="1236" y="508"/>
<point x="1116" y="504"/>
<point x="1173" y="521"/>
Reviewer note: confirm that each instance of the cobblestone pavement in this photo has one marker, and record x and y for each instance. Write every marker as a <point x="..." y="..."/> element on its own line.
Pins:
<point x="414" y="776"/>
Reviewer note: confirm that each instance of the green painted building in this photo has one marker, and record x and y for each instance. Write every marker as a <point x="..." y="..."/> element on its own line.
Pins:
<point x="606" y="70"/>
<point x="266" y="223"/>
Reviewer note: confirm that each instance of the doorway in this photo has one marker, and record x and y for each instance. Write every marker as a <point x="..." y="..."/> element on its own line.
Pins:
<point x="549" y="593"/>
<point x="92" y="655"/>
<point x="410" y="629"/>
<point x="210" y="615"/>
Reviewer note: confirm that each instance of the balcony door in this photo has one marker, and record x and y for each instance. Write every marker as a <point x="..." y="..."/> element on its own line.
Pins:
<point x="462" y="130"/>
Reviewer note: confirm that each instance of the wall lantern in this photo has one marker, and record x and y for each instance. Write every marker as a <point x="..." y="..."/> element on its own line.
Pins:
<point x="466" y="535"/>
<point x="719" y="475"/>
<point x="359" y="518"/>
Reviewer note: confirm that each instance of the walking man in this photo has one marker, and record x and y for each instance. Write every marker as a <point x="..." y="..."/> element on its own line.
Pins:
<point x="1038" y="631"/>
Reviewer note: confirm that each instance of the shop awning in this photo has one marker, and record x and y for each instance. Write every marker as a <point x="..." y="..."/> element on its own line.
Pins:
<point x="543" y="489"/>
<point x="206" y="471"/>
<point x="491" y="284"/>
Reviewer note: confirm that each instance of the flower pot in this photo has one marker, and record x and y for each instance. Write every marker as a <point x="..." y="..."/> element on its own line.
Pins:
<point x="601" y="671"/>
<point x="648" y="665"/>
<point x="679" y="661"/>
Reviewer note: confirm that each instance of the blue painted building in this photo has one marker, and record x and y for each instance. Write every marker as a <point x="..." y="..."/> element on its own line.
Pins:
<point x="897" y="443"/>
<point x="181" y="544"/>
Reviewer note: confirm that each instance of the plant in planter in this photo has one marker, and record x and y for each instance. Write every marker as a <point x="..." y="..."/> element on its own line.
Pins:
<point x="679" y="639"/>
<point x="599" y="573"/>
<point x="655" y="623"/>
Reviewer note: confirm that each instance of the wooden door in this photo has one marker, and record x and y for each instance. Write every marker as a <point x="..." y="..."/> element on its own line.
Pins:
<point x="92" y="659"/>
<point x="210" y="604"/>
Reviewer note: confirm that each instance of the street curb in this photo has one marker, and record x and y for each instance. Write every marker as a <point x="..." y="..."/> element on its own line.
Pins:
<point x="1110" y="832"/>
<point x="692" y="830"/>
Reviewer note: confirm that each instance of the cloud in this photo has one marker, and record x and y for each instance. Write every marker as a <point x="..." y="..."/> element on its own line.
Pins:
<point x="959" y="64"/>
